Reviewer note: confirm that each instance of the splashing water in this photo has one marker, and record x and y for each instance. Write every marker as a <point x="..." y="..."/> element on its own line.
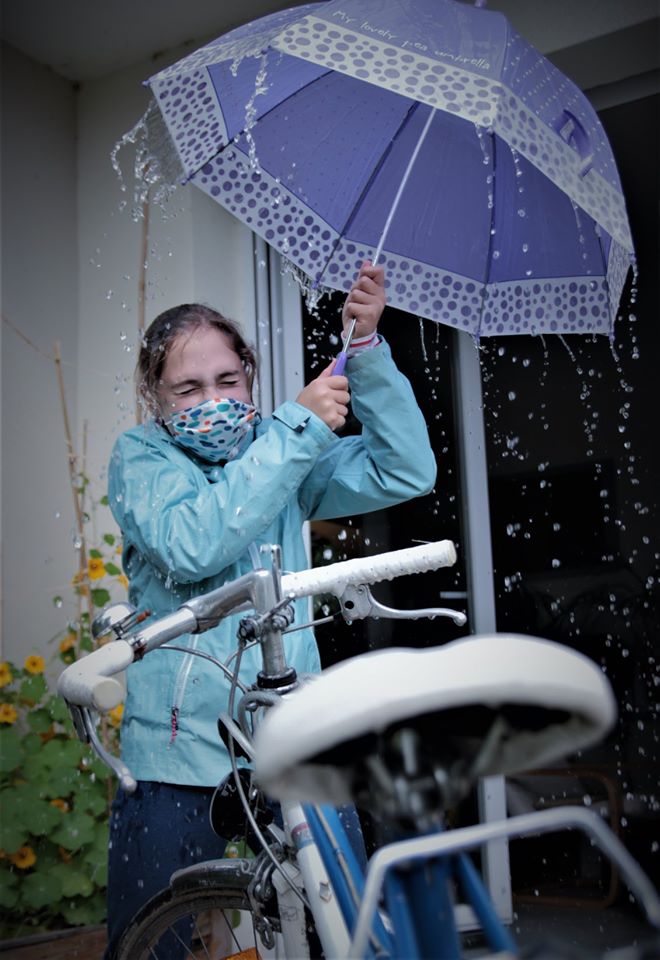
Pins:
<point x="310" y="290"/>
<point x="156" y="168"/>
<point x="260" y="87"/>
<point x="421" y="335"/>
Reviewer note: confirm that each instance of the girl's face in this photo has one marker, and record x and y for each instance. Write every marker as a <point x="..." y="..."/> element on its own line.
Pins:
<point x="199" y="366"/>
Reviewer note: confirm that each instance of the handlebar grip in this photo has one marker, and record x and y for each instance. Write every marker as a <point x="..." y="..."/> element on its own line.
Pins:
<point x="385" y="566"/>
<point x="89" y="682"/>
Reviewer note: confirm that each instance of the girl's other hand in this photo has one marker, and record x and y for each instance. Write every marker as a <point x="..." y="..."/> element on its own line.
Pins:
<point x="327" y="397"/>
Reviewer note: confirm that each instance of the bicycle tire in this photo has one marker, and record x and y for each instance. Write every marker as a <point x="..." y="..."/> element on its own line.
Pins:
<point x="155" y="920"/>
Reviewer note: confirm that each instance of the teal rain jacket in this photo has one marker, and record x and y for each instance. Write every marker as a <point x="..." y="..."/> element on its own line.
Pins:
<point x="187" y="529"/>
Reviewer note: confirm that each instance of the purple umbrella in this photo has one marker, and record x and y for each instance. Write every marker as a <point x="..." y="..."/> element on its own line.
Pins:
<point x="426" y="133"/>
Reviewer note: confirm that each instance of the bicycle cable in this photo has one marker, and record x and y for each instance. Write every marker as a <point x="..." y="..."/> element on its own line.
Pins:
<point x="207" y="656"/>
<point x="241" y="792"/>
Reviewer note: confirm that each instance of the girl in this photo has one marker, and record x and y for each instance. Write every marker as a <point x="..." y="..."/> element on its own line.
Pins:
<point x="196" y="491"/>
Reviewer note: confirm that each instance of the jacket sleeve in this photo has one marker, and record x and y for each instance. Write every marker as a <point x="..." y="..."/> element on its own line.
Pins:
<point x="392" y="461"/>
<point x="191" y="529"/>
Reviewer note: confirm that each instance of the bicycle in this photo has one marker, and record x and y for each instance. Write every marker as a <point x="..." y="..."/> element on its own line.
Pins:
<point x="501" y="703"/>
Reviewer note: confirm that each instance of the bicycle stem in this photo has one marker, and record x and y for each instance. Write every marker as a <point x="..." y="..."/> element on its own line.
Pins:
<point x="258" y="588"/>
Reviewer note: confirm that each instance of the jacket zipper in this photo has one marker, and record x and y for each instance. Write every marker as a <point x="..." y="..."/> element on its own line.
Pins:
<point x="184" y="670"/>
<point x="180" y="689"/>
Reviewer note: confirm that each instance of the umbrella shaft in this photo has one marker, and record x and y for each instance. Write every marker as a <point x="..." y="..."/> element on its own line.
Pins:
<point x="404" y="180"/>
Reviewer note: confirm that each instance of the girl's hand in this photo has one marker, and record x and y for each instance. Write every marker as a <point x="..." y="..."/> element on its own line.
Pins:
<point x="327" y="397"/>
<point x="366" y="300"/>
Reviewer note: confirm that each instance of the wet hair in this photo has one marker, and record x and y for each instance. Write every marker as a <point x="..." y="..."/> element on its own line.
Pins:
<point x="159" y="337"/>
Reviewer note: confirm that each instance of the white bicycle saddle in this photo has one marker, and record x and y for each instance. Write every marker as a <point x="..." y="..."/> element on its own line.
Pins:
<point x="553" y="701"/>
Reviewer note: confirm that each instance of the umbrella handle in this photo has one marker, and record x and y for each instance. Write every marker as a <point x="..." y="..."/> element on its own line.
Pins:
<point x="340" y="363"/>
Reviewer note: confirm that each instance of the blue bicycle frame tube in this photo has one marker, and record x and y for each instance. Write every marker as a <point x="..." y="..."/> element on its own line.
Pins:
<point x="334" y="847"/>
<point x="471" y="884"/>
<point x="418" y="895"/>
<point x="428" y="887"/>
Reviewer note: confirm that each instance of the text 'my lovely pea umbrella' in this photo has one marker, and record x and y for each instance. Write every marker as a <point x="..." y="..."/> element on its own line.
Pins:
<point x="427" y="132"/>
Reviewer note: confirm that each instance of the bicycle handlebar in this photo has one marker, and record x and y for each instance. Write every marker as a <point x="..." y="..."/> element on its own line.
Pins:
<point x="384" y="566"/>
<point x="88" y="682"/>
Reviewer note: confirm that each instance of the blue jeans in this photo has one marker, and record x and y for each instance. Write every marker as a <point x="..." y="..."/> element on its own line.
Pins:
<point x="159" y="829"/>
<point x="153" y="832"/>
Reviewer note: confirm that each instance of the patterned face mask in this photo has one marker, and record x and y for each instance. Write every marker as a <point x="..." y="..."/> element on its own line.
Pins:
<point x="213" y="429"/>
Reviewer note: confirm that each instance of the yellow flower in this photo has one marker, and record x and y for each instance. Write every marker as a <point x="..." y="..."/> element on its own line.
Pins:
<point x="123" y="579"/>
<point x="95" y="568"/>
<point x="23" y="858"/>
<point x="7" y="713"/>
<point x="60" y="804"/>
<point x="116" y="714"/>
<point x="5" y="674"/>
<point x="68" y="642"/>
<point x="35" y="664"/>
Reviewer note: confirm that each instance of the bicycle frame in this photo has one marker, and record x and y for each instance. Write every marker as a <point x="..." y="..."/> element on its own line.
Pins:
<point x="413" y="878"/>
<point x="416" y="892"/>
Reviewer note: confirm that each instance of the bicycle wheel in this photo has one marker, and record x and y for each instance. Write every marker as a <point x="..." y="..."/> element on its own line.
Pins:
<point x="200" y="921"/>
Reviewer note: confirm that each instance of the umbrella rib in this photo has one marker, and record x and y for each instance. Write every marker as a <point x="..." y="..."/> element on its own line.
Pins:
<point x="374" y="173"/>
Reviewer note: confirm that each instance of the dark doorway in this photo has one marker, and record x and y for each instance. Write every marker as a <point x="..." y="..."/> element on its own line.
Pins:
<point x="574" y="475"/>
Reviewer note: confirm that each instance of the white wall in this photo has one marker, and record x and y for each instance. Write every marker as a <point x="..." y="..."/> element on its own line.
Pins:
<point x="197" y="252"/>
<point x="40" y="299"/>
<point x="64" y="251"/>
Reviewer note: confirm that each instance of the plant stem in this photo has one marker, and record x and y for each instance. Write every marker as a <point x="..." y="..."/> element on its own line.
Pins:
<point x="76" y="487"/>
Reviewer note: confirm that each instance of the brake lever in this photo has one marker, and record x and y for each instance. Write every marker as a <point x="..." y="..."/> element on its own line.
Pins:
<point x="357" y="603"/>
<point x="86" y="732"/>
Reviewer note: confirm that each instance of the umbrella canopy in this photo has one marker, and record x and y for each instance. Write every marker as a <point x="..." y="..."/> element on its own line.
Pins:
<point x="425" y="132"/>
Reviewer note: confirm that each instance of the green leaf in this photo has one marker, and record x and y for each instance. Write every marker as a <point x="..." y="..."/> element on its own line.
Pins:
<point x="110" y="539"/>
<point x="11" y="751"/>
<point x="104" y="503"/>
<point x="8" y="895"/>
<point x="87" y="912"/>
<point x="58" y="753"/>
<point x="40" y="890"/>
<point x="39" y="721"/>
<point x="59" y="783"/>
<point x="8" y="876"/>
<point x="100" y="597"/>
<point x="112" y="569"/>
<point x="13" y="832"/>
<point x="96" y="857"/>
<point x="58" y="709"/>
<point x="38" y="815"/>
<point x="74" y="880"/>
<point x="98" y="768"/>
<point x="91" y="796"/>
<point x="96" y="554"/>
<point x="76" y="830"/>
<point x="32" y="743"/>
<point x="33" y="688"/>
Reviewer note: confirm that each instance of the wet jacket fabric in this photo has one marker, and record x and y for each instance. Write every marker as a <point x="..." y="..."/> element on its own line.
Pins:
<point x="188" y="528"/>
